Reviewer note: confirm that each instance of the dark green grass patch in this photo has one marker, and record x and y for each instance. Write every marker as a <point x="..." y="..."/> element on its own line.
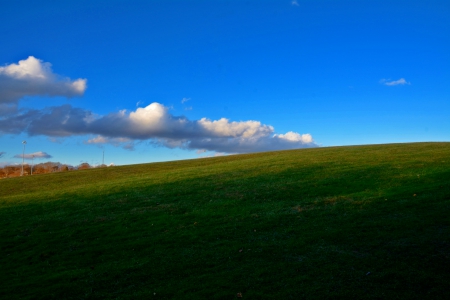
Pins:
<point x="346" y="222"/>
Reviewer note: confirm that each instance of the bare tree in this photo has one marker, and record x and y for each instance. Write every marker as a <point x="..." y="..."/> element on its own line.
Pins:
<point x="84" y="166"/>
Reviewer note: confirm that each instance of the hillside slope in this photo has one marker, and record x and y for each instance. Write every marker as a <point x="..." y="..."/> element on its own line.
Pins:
<point x="342" y="222"/>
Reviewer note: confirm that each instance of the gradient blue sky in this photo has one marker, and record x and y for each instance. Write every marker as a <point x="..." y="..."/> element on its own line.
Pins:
<point x="344" y="72"/>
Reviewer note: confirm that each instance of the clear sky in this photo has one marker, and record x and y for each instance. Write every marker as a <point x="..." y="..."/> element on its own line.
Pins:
<point x="148" y="81"/>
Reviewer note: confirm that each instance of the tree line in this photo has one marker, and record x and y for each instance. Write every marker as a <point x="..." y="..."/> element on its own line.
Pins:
<point x="42" y="168"/>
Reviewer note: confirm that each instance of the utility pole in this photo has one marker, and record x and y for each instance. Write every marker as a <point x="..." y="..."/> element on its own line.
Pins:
<point x="23" y="156"/>
<point x="32" y="163"/>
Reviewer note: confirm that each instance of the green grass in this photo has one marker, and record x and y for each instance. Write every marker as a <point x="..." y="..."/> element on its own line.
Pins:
<point x="344" y="222"/>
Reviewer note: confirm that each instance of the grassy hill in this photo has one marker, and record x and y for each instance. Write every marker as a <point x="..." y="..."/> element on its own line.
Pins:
<point x="344" y="222"/>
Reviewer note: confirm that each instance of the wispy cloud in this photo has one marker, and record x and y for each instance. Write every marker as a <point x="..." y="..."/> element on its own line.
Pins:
<point x="39" y="154"/>
<point x="126" y="143"/>
<point x="184" y="100"/>
<point x="7" y="163"/>
<point x="215" y="154"/>
<point x="389" y="82"/>
<point x="294" y="3"/>
<point x="33" y="77"/>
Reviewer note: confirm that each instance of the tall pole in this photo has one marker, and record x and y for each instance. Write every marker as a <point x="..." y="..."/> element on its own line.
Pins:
<point x="23" y="155"/>
<point x="103" y="159"/>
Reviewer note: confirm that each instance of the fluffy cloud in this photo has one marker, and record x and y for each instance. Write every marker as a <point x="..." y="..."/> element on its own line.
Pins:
<point x="295" y="137"/>
<point x="33" y="77"/>
<point x="389" y="82"/>
<point x="153" y="123"/>
<point x="156" y="124"/>
<point x="39" y="154"/>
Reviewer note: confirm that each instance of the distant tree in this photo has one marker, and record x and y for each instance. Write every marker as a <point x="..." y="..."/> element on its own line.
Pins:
<point x="42" y="168"/>
<point x="38" y="169"/>
<point x="26" y="170"/>
<point x="13" y="171"/>
<point x="48" y="167"/>
<point x="84" y="166"/>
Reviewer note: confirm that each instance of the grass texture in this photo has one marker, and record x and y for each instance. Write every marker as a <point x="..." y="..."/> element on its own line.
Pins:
<point x="361" y="222"/>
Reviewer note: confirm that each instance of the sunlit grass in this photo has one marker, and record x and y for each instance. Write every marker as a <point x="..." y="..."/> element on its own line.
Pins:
<point x="345" y="222"/>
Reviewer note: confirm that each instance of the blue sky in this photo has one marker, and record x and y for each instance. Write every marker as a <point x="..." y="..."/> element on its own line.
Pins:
<point x="152" y="81"/>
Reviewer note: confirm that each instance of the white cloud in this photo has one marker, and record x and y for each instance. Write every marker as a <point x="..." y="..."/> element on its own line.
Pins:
<point x="98" y="140"/>
<point x="216" y="154"/>
<point x="36" y="155"/>
<point x="294" y="3"/>
<point x="389" y="82"/>
<point x="225" y="128"/>
<point x="153" y="123"/>
<point x="295" y="137"/>
<point x="33" y="77"/>
<point x="156" y="124"/>
<point x="126" y="143"/>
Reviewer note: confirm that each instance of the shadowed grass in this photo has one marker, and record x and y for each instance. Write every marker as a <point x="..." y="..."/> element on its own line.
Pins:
<point x="345" y="222"/>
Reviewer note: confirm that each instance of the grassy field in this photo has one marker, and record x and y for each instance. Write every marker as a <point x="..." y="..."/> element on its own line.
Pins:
<point x="344" y="222"/>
